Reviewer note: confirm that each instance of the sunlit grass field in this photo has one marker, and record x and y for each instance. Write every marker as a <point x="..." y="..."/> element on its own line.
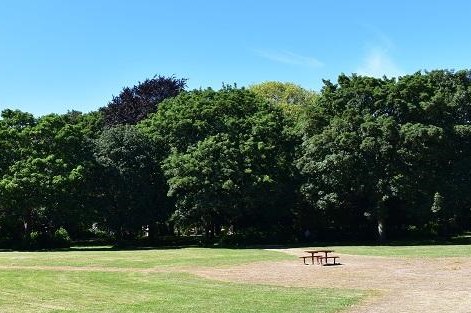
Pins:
<point x="150" y="281"/>
<point x="159" y="280"/>
<point x="157" y="258"/>
<point x="432" y="251"/>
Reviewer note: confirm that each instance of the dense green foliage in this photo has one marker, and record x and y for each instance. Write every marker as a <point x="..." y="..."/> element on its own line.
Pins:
<point x="378" y="150"/>
<point x="226" y="161"/>
<point x="365" y="158"/>
<point x="44" y="173"/>
<point x="130" y="180"/>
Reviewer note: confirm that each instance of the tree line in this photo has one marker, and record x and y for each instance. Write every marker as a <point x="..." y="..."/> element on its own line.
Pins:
<point x="363" y="158"/>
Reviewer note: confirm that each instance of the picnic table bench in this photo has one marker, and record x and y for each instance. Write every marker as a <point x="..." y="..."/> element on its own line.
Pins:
<point x="334" y="258"/>
<point x="312" y="257"/>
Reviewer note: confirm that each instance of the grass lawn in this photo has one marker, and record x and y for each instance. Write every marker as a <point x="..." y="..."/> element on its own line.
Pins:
<point x="160" y="258"/>
<point x="29" y="284"/>
<point x="408" y="251"/>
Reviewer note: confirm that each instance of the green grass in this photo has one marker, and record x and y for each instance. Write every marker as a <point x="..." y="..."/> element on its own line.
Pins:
<point x="166" y="258"/>
<point x="29" y="283"/>
<point x="49" y="291"/>
<point x="408" y="251"/>
<point x="44" y="289"/>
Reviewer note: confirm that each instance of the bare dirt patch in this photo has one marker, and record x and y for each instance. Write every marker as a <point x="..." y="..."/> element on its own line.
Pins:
<point x="397" y="284"/>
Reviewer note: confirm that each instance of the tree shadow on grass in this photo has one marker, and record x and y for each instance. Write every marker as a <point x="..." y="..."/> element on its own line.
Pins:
<point x="463" y="239"/>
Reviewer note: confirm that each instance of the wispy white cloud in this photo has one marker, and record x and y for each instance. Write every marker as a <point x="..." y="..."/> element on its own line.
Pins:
<point x="288" y="57"/>
<point x="378" y="63"/>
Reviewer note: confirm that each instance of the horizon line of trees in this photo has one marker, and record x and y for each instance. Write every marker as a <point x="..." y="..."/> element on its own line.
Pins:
<point x="364" y="158"/>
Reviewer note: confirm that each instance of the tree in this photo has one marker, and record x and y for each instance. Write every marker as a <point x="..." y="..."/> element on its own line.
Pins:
<point x="42" y="178"/>
<point x="346" y="156"/>
<point x="379" y="149"/>
<point x="135" y="104"/>
<point x="204" y="180"/>
<point x="289" y="96"/>
<point x="294" y="102"/>
<point x="131" y="192"/>
<point x="226" y="158"/>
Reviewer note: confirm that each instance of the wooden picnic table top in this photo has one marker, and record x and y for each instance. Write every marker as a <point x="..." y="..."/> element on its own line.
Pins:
<point x="319" y="251"/>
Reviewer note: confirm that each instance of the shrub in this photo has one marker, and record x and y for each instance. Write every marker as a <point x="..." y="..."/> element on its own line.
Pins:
<point x="61" y="238"/>
<point x="47" y="240"/>
<point x="34" y="240"/>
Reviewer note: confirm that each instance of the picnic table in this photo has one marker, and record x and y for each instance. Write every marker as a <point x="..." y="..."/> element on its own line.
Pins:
<point x="320" y="255"/>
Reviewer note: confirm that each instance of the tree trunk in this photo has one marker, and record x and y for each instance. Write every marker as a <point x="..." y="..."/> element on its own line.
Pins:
<point x="27" y="223"/>
<point x="381" y="216"/>
<point x="207" y="232"/>
<point x="381" y="229"/>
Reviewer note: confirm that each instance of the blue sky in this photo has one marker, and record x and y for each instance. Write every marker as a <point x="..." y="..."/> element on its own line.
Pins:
<point x="59" y="55"/>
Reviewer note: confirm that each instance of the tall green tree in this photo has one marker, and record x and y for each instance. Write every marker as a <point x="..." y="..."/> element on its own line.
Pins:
<point x="41" y="180"/>
<point x="226" y="161"/>
<point x="294" y="102"/>
<point x="131" y="191"/>
<point x="381" y="148"/>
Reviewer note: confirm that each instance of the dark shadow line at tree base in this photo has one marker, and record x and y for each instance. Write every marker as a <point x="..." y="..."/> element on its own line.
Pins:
<point x="192" y="242"/>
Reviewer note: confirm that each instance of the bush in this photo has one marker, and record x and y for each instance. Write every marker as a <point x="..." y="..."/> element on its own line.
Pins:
<point x="35" y="240"/>
<point x="47" y="240"/>
<point x="61" y="238"/>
